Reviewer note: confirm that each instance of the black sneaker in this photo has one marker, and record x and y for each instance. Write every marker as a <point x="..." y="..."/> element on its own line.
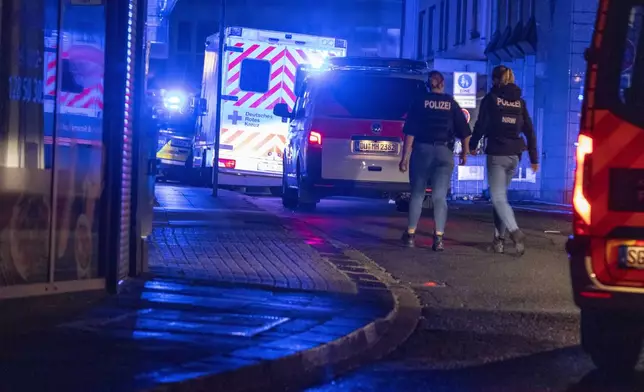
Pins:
<point x="498" y="245"/>
<point x="518" y="238"/>
<point x="408" y="239"/>
<point x="438" y="245"/>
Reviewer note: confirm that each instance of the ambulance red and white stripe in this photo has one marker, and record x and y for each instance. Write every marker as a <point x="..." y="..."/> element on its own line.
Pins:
<point x="87" y="99"/>
<point x="260" y="70"/>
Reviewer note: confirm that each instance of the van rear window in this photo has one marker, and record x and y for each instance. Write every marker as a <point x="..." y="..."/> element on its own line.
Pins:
<point x="366" y="96"/>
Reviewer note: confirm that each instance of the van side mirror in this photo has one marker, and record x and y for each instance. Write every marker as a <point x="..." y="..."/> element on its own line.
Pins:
<point x="281" y="110"/>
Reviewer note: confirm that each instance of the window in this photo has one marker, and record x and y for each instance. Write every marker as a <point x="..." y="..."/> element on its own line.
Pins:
<point x="184" y="36"/>
<point x="255" y="75"/>
<point x="464" y="22"/>
<point x="421" y="32"/>
<point x="475" y="19"/>
<point x="204" y="30"/>
<point x="446" y="25"/>
<point x="441" y="27"/>
<point x="430" y="31"/>
<point x="365" y="96"/>
<point x="632" y="60"/>
<point x="459" y="20"/>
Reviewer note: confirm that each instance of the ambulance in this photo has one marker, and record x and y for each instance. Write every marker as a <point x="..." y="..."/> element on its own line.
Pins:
<point x="259" y="68"/>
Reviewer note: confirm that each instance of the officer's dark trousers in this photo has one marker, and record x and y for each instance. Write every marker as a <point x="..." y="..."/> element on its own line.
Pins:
<point x="436" y="163"/>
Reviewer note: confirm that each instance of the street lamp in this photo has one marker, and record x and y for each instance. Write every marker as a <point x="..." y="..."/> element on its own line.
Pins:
<point x="220" y="61"/>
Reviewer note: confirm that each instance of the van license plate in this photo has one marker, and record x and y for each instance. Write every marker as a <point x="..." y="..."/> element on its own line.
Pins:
<point x="269" y="167"/>
<point x="375" y="147"/>
<point x="631" y="256"/>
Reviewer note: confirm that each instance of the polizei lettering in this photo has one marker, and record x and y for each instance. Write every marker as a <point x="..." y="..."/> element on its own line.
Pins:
<point x="512" y="104"/>
<point x="438" y="105"/>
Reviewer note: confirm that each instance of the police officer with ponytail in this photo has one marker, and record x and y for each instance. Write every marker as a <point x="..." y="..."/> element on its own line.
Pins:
<point x="434" y="122"/>
<point x="503" y="119"/>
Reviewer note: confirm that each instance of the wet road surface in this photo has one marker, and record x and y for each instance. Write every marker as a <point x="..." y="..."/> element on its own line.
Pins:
<point x="491" y="322"/>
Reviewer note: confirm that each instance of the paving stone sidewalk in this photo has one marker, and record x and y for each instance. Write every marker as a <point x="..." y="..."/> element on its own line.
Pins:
<point x="232" y="287"/>
<point x="229" y="239"/>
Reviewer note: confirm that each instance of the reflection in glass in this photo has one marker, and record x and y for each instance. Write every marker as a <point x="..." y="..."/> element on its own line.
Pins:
<point x="79" y="149"/>
<point x="25" y="182"/>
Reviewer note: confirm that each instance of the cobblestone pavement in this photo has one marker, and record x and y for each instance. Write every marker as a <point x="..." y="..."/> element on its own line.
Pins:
<point x="228" y="239"/>
<point x="201" y="313"/>
<point x="171" y="330"/>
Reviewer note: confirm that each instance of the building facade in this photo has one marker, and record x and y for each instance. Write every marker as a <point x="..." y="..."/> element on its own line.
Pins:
<point x="371" y="27"/>
<point x="543" y="42"/>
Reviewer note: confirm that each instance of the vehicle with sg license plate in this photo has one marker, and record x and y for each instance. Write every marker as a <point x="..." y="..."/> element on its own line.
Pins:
<point x="606" y="250"/>
<point x="345" y="132"/>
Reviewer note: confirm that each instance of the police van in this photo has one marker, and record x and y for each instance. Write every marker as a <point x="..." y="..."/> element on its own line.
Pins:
<point x="606" y="250"/>
<point x="345" y="132"/>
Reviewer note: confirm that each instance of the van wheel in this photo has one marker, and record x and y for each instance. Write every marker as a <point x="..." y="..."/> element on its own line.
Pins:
<point x="305" y="198"/>
<point x="614" y="342"/>
<point x="289" y="196"/>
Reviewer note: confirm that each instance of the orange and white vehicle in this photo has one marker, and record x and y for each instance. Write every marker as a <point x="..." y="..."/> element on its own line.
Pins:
<point x="346" y="131"/>
<point x="606" y="251"/>
<point x="259" y="71"/>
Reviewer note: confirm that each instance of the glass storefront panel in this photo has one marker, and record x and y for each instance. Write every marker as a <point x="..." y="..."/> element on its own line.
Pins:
<point x="25" y="178"/>
<point x="51" y="107"/>
<point x="78" y="151"/>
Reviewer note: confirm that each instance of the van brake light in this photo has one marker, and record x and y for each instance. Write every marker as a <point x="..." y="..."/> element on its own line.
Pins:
<point x="315" y="138"/>
<point x="227" y="163"/>
<point x="579" y="201"/>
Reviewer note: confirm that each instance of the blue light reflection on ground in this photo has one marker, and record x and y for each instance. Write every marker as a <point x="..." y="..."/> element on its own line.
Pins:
<point x="164" y="331"/>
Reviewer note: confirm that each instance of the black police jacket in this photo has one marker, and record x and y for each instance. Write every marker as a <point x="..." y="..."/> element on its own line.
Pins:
<point x="503" y="117"/>
<point x="436" y="118"/>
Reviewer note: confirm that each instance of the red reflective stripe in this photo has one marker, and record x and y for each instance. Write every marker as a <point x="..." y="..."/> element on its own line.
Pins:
<point x="265" y="140"/>
<point x="239" y="44"/>
<point x="303" y="55"/>
<point x="289" y="92"/>
<point x="233" y="137"/>
<point x="275" y="102"/>
<point x="278" y="57"/>
<point x="277" y="72"/>
<point x="233" y="78"/>
<point x="242" y="56"/>
<point x="289" y="74"/>
<point x="291" y="58"/>
<point x="265" y="96"/>
<point x="244" y="99"/>
<point x="266" y="52"/>
<point x="78" y="97"/>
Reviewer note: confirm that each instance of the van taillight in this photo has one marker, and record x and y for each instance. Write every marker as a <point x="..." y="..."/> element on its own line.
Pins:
<point x="227" y="163"/>
<point x="580" y="202"/>
<point x="315" y="138"/>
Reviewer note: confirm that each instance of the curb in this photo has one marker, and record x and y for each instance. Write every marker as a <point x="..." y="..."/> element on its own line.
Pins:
<point x="325" y="362"/>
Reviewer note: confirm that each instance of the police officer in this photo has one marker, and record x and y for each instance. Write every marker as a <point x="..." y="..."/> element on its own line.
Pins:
<point x="433" y="123"/>
<point x="502" y="119"/>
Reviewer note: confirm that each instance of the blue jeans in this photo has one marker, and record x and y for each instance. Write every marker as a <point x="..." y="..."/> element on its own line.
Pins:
<point x="435" y="163"/>
<point x="500" y="170"/>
